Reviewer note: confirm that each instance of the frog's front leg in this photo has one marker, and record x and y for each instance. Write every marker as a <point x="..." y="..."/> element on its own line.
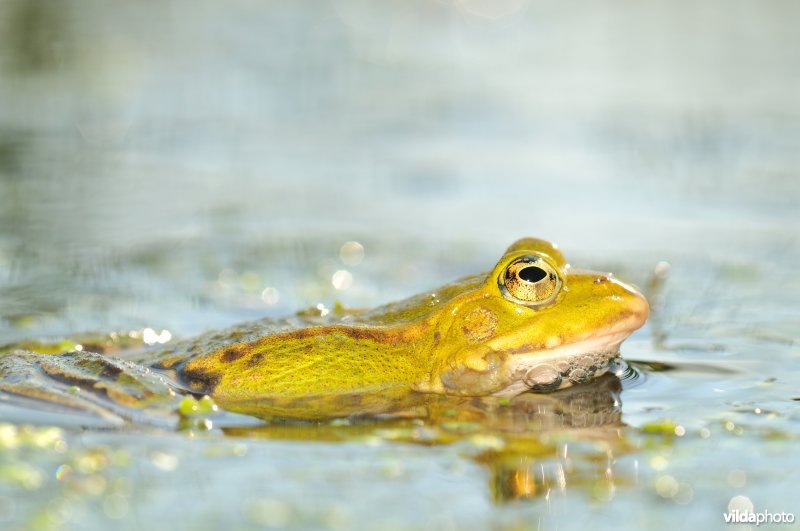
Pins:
<point x="116" y="390"/>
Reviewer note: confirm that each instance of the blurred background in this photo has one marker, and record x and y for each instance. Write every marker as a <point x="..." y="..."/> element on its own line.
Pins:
<point x="189" y="140"/>
<point x="187" y="165"/>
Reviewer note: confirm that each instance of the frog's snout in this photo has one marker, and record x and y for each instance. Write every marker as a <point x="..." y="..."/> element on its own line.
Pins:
<point x="621" y="306"/>
<point x="636" y="307"/>
<point x="641" y="307"/>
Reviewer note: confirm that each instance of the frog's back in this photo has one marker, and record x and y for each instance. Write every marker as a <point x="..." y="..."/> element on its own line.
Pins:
<point x="317" y="351"/>
<point x="219" y="340"/>
<point x="292" y="361"/>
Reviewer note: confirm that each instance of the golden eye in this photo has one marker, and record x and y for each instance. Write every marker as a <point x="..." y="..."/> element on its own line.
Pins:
<point x="531" y="281"/>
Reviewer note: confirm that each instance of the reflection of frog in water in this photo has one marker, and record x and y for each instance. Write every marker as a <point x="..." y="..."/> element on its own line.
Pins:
<point x="532" y="323"/>
<point x="533" y="445"/>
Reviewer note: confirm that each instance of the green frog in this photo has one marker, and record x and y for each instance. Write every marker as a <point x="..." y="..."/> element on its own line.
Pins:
<point x="532" y="323"/>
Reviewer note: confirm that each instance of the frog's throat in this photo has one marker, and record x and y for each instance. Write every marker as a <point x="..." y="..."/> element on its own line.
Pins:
<point x="559" y="367"/>
<point x="510" y="373"/>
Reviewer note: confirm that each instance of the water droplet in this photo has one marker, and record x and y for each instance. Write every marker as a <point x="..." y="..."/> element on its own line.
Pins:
<point x="351" y="253"/>
<point x="666" y="486"/>
<point x="270" y="296"/>
<point x="737" y="478"/>
<point x="164" y="461"/>
<point x="62" y="472"/>
<point x="342" y="279"/>
<point x="740" y="503"/>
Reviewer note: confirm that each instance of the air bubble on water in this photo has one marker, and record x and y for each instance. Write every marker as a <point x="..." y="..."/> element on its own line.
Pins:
<point x="151" y="337"/>
<point x="270" y="296"/>
<point x="351" y="253"/>
<point x="342" y="279"/>
<point x="740" y="503"/>
<point x="737" y="478"/>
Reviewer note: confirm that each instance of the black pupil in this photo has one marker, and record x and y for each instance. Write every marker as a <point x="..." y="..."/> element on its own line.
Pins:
<point x="532" y="274"/>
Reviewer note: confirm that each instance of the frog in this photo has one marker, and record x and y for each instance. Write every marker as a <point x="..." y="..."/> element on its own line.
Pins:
<point x="533" y="323"/>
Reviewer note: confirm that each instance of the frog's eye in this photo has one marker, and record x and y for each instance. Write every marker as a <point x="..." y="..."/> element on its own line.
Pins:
<point x="531" y="281"/>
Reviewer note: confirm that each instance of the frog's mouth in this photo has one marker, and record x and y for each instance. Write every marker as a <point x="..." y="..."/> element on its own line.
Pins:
<point x="560" y="367"/>
<point x="542" y="370"/>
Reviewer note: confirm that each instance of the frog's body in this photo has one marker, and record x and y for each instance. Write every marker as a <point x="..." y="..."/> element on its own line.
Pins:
<point x="533" y="322"/>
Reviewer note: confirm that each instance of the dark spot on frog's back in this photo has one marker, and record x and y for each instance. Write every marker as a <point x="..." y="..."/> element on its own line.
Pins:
<point x="231" y="354"/>
<point x="354" y="332"/>
<point x="255" y="360"/>
<point x="200" y="381"/>
<point x="110" y="372"/>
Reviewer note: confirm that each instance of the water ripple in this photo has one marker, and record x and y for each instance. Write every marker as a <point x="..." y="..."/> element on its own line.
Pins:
<point x="629" y="375"/>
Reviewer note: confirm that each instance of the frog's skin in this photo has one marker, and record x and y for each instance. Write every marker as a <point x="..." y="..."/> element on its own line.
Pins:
<point x="498" y="333"/>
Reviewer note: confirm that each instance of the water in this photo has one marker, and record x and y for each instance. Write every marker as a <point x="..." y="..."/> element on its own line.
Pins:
<point x="160" y="167"/>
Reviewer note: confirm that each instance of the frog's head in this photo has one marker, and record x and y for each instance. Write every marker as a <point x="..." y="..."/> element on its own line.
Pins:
<point x="535" y="323"/>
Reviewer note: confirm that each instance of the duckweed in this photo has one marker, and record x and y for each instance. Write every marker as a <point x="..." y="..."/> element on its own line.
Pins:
<point x="192" y="408"/>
